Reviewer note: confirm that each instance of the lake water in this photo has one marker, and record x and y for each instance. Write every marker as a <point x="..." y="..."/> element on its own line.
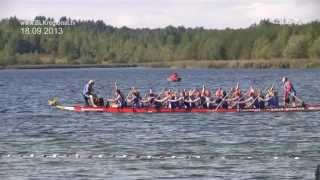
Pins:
<point x="40" y="142"/>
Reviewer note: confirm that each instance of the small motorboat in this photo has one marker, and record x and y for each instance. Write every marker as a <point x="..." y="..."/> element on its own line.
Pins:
<point x="174" y="78"/>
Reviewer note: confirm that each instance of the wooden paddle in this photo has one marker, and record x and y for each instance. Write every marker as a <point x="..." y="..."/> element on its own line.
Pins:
<point x="224" y="98"/>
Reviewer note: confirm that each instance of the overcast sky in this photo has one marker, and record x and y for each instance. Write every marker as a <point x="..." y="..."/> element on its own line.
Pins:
<point x="160" y="13"/>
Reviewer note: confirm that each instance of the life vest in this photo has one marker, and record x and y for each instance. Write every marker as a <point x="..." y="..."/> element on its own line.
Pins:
<point x="237" y="93"/>
<point x="251" y="92"/>
<point x="136" y="99"/>
<point x="219" y="93"/>
<point x="151" y="97"/>
<point x="174" y="77"/>
<point x="207" y="93"/>
<point x="288" y="89"/>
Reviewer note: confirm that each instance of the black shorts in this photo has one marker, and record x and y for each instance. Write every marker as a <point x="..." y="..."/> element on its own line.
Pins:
<point x="287" y="100"/>
<point x="86" y="100"/>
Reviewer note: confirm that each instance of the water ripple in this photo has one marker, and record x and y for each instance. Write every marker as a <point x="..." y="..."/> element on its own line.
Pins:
<point x="38" y="142"/>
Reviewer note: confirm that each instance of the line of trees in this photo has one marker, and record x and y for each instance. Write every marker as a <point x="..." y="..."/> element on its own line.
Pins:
<point x="95" y="42"/>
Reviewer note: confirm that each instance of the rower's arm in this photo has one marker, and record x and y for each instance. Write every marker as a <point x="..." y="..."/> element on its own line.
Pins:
<point x="115" y="85"/>
<point x="175" y="100"/>
<point x="232" y="99"/>
<point x="196" y="100"/>
<point x="145" y="100"/>
<point x="181" y="98"/>
<point x="162" y="100"/>
<point x="110" y="100"/>
<point x="203" y="89"/>
<point x="248" y="100"/>
<point x="191" y="92"/>
<point x="251" y="104"/>
<point x="211" y="102"/>
<point x="129" y="99"/>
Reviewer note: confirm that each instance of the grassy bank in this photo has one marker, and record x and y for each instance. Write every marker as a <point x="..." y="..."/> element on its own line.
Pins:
<point x="235" y="64"/>
<point x="44" y="61"/>
<point x="244" y="64"/>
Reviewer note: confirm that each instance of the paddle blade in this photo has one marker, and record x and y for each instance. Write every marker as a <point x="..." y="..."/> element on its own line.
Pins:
<point x="53" y="102"/>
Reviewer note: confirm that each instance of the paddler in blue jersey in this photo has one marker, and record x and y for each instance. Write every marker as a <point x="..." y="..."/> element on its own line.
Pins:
<point x="88" y="93"/>
<point x="272" y="98"/>
<point x="119" y="101"/>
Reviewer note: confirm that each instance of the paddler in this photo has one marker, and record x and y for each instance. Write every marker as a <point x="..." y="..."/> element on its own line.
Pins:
<point x="251" y="92"/>
<point x="255" y="99"/>
<point x="252" y="101"/>
<point x="221" y="100"/>
<point x="208" y="99"/>
<point x="175" y="75"/>
<point x="204" y="97"/>
<point x="261" y="99"/>
<point x="237" y="97"/>
<point x="160" y="100"/>
<point x="289" y="92"/>
<point x="119" y="101"/>
<point x="88" y="93"/>
<point x="272" y="98"/>
<point x="173" y="101"/>
<point x="149" y="99"/>
<point x="135" y="98"/>
<point x="219" y="95"/>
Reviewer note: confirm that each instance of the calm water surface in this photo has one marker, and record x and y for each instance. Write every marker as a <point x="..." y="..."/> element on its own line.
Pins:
<point x="39" y="142"/>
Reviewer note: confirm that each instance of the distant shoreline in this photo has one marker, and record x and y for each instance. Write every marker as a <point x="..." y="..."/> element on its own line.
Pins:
<point x="239" y="64"/>
<point x="189" y="64"/>
<point x="64" y="66"/>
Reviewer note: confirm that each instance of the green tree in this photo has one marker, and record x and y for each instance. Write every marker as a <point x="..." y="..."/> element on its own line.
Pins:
<point x="95" y="42"/>
<point x="261" y="48"/>
<point x="314" y="51"/>
<point x="297" y="47"/>
<point x="212" y="49"/>
<point x="279" y="44"/>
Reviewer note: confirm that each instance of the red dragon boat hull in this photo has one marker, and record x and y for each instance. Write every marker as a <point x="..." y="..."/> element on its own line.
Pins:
<point x="80" y="108"/>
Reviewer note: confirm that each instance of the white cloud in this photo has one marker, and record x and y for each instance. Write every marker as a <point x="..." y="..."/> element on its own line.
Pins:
<point x="283" y="10"/>
<point x="125" y="20"/>
<point x="160" y="13"/>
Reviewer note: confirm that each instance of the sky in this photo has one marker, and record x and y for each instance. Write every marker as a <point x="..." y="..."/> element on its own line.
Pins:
<point x="211" y="14"/>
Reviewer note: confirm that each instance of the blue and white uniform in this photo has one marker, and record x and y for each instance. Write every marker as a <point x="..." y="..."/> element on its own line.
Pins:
<point x="87" y="91"/>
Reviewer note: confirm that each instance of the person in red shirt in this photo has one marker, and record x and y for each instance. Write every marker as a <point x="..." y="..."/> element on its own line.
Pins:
<point x="174" y="77"/>
<point x="289" y="93"/>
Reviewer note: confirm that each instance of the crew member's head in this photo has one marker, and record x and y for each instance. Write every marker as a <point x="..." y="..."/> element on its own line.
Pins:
<point x="91" y="82"/>
<point x="284" y="79"/>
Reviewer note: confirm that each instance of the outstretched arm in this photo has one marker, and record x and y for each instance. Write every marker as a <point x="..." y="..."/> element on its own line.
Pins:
<point x="162" y="100"/>
<point x="203" y="89"/>
<point x="115" y="85"/>
<point x="175" y="100"/>
<point x="192" y="101"/>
